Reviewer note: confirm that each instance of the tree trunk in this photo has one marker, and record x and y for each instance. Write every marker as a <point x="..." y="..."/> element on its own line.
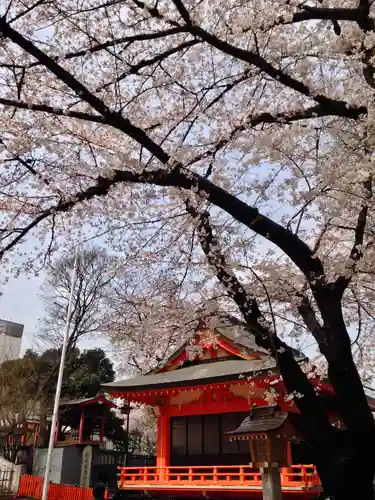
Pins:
<point x="346" y="467"/>
<point x="351" y="482"/>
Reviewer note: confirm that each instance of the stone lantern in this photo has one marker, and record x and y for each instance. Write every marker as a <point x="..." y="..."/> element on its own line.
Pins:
<point x="268" y="431"/>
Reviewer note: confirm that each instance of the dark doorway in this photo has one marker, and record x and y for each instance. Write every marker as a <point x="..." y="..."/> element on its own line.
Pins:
<point x="202" y="440"/>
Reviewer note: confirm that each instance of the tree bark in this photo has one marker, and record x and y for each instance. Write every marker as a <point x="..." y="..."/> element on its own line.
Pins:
<point x="346" y="469"/>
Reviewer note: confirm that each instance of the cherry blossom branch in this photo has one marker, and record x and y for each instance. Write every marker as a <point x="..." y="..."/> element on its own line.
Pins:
<point x="332" y="106"/>
<point x="295" y="379"/>
<point x="53" y="110"/>
<point x="357" y="251"/>
<point x="179" y="177"/>
<point x="296" y="249"/>
<point x="282" y="118"/>
<point x="118" y="41"/>
<point x="29" y="9"/>
<point x="133" y="69"/>
<point x="112" y="118"/>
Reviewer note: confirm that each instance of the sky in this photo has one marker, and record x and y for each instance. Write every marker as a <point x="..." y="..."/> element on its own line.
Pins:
<point x="20" y="303"/>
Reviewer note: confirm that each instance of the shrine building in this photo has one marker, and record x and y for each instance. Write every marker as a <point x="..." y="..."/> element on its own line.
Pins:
<point x="203" y="395"/>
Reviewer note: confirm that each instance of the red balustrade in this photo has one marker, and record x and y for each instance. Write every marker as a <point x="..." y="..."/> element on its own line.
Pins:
<point x="296" y="477"/>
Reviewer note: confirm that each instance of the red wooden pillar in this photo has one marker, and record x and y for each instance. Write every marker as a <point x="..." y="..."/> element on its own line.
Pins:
<point x="163" y="444"/>
<point x="81" y="424"/>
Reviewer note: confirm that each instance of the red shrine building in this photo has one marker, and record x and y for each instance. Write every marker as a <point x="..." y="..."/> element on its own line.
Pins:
<point x="81" y="421"/>
<point x="202" y="395"/>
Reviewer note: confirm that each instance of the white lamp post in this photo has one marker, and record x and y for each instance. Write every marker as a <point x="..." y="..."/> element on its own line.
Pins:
<point x="59" y="381"/>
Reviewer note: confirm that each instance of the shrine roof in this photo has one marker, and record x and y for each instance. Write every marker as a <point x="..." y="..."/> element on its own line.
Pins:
<point x="192" y="375"/>
<point x="237" y="332"/>
<point x="87" y="402"/>
<point x="240" y="333"/>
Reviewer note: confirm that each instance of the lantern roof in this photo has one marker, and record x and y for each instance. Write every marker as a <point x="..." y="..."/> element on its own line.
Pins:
<point x="260" y="420"/>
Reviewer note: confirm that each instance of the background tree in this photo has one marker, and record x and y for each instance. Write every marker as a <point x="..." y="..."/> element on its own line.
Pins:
<point x="87" y="371"/>
<point x="28" y="387"/>
<point x="95" y="271"/>
<point x="19" y="395"/>
<point x="234" y="134"/>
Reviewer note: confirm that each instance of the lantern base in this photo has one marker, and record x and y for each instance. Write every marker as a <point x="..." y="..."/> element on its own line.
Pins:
<point x="271" y="483"/>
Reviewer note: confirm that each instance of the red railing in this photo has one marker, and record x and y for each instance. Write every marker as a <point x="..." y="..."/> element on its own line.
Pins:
<point x="32" y="486"/>
<point x="296" y="477"/>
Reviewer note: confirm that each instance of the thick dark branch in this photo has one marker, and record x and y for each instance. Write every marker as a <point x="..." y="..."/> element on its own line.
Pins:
<point x="356" y="252"/>
<point x="365" y="21"/>
<point x="329" y="14"/>
<point x="112" y="118"/>
<point x="294" y="378"/>
<point x="179" y="177"/>
<point x="311" y="321"/>
<point x="182" y="10"/>
<point x="317" y="111"/>
<point x="44" y="108"/>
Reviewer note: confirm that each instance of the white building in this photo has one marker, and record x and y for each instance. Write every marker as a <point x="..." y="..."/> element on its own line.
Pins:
<point x="10" y="340"/>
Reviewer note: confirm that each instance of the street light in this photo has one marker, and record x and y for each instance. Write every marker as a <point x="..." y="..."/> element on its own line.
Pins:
<point x="60" y="380"/>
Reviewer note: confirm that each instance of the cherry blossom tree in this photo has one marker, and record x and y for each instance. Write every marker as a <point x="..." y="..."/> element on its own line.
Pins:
<point x="234" y="134"/>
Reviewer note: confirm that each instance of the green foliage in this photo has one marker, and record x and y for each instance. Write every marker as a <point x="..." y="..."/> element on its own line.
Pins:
<point x="83" y="374"/>
<point x="19" y="385"/>
<point x="30" y="382"/>
<point x="87" y="371"/>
